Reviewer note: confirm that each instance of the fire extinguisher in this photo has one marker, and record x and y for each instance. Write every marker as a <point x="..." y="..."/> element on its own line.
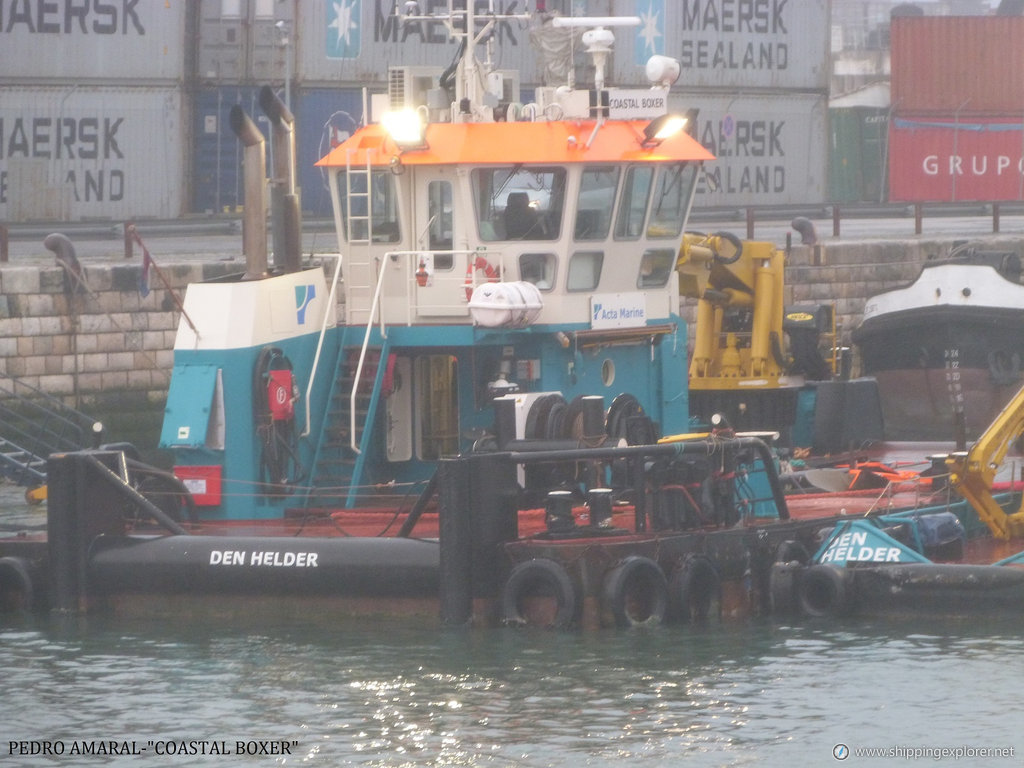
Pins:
<point x="274" y="394"/>
<point x="281" y="394"/>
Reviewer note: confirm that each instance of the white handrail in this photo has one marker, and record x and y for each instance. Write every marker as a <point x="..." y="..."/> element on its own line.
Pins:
<point x="362" y="357"/>
<point x="331" y="311"/>
<point x="410" y="257"/>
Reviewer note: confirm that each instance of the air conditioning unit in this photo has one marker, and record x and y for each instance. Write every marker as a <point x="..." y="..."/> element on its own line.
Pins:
<point x="408" y="86"/>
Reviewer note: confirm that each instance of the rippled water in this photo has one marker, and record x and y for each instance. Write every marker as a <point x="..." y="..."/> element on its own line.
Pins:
<point x="399" y="694"/>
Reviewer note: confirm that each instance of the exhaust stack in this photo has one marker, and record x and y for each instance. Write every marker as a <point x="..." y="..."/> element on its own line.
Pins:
<point x="254" y="223"/>
<point x="285" y="208"/>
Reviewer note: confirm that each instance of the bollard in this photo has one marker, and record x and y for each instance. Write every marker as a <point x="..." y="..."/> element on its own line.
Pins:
<point x="129" y="240"/>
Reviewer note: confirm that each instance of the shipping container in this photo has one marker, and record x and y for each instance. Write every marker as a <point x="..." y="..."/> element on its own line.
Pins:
<point x="353" y="43"/>
<point x="723" y="44"/>
<point x="323" y="118"/>
<point x="82" y="152"/>
<point x="140" y="42"/>
<point x="769" y="149"/>
<point x="951" y="158"/>
<point x="858" y="142"/>
<point x="217" y="177"/>
<point x="958" y="64"/>
<point x="246" y="41"/>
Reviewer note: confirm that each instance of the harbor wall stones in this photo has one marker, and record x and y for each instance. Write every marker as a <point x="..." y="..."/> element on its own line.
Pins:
<point x="103" y="348"/>
<point x="94" y="341"/>
<point x="847" y="273"/>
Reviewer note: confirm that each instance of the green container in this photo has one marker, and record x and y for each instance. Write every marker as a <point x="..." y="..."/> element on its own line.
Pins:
<point x="858" y="138"/>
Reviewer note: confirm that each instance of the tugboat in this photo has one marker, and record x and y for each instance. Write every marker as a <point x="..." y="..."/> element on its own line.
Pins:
<point x="465" y="413"/>
<point x="489" y="248"/>
<point x="946" y="350"/>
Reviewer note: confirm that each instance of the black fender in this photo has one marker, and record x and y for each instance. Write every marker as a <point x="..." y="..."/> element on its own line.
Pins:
<point x="695" y="590"/>
<point x="636" y="593"/>
<point x="539" y="578"/>
<point x="792" y="551"/>
<point x="17" y="592"/>
<point x="822" y="591"/>
<point x="783" y="581"/>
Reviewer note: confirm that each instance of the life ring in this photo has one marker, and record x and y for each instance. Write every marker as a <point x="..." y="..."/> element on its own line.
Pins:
<point x="696" y="590"/>
<point x="531" y="587"/>
<point x="479" y="264"/>
<point x="16" y="592"/>
<point x="822" y="591"/>
<point x="636" y="593"/>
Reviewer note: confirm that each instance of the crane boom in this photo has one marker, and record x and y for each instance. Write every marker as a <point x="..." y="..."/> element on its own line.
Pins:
<point x="972" y="472"/>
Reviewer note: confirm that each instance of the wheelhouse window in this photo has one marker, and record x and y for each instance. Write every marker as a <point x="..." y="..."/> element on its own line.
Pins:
<point x="381" y="225"/>
<point x="440" y="211"/>
<point x="539" y="269"/>
<point x="519" y="203"/>
<point x="596" y="203"/>
<point x="655" y="267"/>
<point x="636" y="192"/>
<point x="673" y="191"/>
<point x="584" y="271"/>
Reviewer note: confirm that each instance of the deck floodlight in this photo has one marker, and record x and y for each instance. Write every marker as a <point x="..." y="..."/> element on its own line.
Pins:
<point x="661" y="128"/>
<point x="406" y="128"/>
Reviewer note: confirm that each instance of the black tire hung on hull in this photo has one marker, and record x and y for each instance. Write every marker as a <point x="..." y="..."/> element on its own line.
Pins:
<point x="17" y="594"/>
<point x="695" y="590"/>
<point x="636" y="593"/>
<point x="792" y="551"/>
<point x="275" y="421"/>
<point x="822" y="591"/>
<point x="538" y="580"/>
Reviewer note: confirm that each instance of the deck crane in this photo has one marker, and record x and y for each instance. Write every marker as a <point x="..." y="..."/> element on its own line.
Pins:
<point x="972" y="472"/>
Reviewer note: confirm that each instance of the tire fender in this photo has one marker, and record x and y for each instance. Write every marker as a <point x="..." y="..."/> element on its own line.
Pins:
<point x="792" y="551"/>
<point x="16" y="591"/>
<point x="539" y="578"/>
<point x="782" y="586"/>
<point x="822" y="591"/>
<point x="696" y="590"/>
<point x="636" y="593"/>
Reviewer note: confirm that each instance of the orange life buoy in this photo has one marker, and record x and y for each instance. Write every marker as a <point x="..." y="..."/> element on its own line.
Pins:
<point x="479" y="264"/>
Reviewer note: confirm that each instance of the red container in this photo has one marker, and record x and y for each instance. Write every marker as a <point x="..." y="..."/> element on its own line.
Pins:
<point x="203" y="482"/>
<point x="950" y="158"/>
<point x="950" y="64"/>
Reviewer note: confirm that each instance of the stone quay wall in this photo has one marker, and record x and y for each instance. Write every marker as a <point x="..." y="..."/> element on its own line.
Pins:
<point x="95" y="342"/>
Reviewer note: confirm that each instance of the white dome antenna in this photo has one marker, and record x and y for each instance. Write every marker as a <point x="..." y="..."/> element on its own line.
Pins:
<point x="597" y="38"/>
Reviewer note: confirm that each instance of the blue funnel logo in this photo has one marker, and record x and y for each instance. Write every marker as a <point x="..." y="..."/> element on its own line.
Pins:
<point x="304" y="294"/>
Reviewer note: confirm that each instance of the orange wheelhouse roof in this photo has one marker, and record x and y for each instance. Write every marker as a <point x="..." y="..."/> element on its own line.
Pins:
<point x="556" y="142"/>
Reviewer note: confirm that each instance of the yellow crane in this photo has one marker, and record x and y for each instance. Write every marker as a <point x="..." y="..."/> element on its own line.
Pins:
<point x="972" y="472"/>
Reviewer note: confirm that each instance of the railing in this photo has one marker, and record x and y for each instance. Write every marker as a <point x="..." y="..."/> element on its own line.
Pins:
<point x="33" y="425"/>
<point x="330" y="312"/>
<point x="413" y="259"/>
